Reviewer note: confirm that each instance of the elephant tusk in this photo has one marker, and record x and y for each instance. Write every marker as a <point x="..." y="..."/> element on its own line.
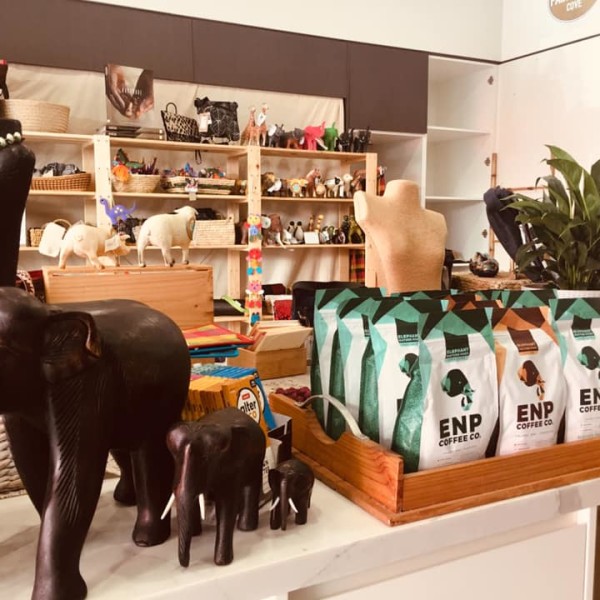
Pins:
<point x="168" y="507"/>
<point x="275" y="503"/>
<point x="202" y="507"/>
<point x="291" y="503"/>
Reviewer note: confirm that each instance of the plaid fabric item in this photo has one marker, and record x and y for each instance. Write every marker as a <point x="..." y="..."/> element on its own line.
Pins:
<point x="357" y="266"/>
<point x="213" y="335"/>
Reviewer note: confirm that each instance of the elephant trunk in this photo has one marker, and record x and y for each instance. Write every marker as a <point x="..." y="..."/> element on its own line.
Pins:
<point x="185" y="497"/>
<point x="283" y="501"/>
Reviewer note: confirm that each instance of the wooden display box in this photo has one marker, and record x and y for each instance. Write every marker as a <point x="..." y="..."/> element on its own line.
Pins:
<point x="374" y="478"/>
<point x="183" y="292"/>
<point x="271" y="364"/>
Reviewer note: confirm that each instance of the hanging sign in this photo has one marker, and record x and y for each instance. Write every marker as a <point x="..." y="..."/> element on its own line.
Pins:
<point x="568" y="10"/>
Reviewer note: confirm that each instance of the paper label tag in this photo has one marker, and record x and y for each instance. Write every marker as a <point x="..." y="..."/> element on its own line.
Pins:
<point x="51" y="239"/>
<point x="112" y="243"/>
<point x="204" y="121"/>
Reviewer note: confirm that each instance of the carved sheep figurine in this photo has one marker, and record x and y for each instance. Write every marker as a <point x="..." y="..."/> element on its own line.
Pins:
<point x="167" y="230"/>
<point x="89" y="242"/>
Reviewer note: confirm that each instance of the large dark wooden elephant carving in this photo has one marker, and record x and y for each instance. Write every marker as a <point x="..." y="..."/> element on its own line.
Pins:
<point x="76" y="381"/>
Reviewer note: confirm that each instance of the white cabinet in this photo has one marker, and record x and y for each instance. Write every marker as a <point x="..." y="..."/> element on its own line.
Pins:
<point x="461" y="119"/>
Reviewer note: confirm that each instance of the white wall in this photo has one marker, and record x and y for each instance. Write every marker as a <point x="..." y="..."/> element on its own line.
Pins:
<point x="529" y="26"/>
<point x="552" y="97"/>
<point x="469" y="28"/>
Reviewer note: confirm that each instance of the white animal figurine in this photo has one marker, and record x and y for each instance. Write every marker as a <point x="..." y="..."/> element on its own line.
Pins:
<point x="167" y="230"/>
<point x="89" y="242"/>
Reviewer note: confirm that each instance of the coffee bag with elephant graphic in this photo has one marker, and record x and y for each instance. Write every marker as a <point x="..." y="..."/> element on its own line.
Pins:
<point x="456" y="417"/>
<point x="577" y="322"/>
<point x="531" y="384"/>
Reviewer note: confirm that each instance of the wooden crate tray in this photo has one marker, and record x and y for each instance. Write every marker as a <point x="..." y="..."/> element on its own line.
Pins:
<point x="373" y="477"/>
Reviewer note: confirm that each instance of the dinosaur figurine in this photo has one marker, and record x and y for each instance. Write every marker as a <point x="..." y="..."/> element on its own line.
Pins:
<point x="116" y="213"/>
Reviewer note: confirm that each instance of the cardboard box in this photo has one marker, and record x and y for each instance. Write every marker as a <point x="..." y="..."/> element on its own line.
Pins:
<point x="183" y="292"/>
<point x="271" y="364"/>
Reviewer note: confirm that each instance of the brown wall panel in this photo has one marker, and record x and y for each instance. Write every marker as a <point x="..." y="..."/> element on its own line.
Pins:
<point x="81" y="35"/>
<point x="385" y="88"/>
<point x="388" y="88"/>
<point x="238" y="56"/>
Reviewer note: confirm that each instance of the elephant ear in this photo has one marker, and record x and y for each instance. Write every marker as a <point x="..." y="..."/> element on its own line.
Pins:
<point x="71" y="344"/>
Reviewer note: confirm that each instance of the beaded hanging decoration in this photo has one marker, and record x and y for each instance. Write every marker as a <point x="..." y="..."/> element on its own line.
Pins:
<point x="11" y="138"/>
<point x="254" y="291"/>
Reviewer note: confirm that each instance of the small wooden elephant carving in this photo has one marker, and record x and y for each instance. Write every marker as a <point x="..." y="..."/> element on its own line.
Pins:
<point x="291" y="483"/>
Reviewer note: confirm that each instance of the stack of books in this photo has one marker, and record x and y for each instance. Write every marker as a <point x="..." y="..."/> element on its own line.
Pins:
<point x="132" y="131"/>
<point x="214" y="341"/>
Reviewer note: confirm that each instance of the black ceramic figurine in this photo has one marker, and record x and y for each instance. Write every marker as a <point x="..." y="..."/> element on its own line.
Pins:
<point x="76" y="381"/>
<point x="291" y="484"/>
<point x="220" y="456"/>
<point x="16" y="169"/>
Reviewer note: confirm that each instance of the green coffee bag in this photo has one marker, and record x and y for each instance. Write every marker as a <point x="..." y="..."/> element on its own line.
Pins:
<point x="452" y="418"/>
<point x="394" y="345"/>
<point x="577" y="322"/>
<point x="326" y="352"/>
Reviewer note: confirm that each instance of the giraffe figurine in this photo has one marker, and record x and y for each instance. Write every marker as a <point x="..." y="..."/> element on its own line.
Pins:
<point x="251" y="134"/>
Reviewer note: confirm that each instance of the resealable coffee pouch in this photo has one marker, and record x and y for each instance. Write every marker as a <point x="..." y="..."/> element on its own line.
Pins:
<point x="452" y="415"/>
<point x="531" y="384"/>
<point x="527" y="298"/>
<point x="393" y="355"/>
<point x="326" y="351"/>
<point x="577" y="322"/>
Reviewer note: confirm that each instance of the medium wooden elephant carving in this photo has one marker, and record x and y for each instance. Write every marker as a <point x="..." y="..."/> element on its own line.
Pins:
<point x="220" y="455"/>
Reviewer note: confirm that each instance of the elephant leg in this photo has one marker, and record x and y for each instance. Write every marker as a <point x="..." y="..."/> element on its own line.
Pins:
<point x="226" y="517"/>
<point x="31" y="454"/>
<point x="153" y="471"/>
<point x="302" y="502"/>
<point x="275" y="518"/>
<point x="125" y="490"/>
<point x="248" y="520"/>
<point x="78" y="454"/>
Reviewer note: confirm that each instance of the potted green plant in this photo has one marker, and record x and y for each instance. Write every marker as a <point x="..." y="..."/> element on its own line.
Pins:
<point x="565" y="225"/>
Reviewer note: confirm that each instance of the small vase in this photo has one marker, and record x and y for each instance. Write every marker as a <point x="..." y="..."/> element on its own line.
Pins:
<point x="16" y="168"/>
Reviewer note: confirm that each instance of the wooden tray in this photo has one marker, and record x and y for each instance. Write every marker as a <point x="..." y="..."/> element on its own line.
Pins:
<point x="374" y="479"/>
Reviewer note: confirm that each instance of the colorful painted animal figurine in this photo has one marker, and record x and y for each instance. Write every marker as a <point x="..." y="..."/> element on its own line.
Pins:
<point x="251" y="135"/>
<point x="330" y="137"/>
<point x="116" y="212"/>
<point x="275" y="132"/>
<point x="313" y="177"/>
<point x="166" y="231"/>
<point x="261" y="123"/>
<point x="87" y="241"/>
<point x="313" y="135"/>
<point x="292" y="139"/>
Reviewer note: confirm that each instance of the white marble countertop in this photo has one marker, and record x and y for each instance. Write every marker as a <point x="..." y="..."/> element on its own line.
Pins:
<point x="339" y="540"/>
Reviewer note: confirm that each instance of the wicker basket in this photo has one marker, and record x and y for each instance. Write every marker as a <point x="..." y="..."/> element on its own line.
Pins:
<point x="218" y="232"/>
<point x="35" y="233"/>
<point x="79" y="182"/>
<point x="204" y="185"/>
<point x="139" y="184"/>
<point x="36" y="115"/>
<point x="9" y="478"/>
